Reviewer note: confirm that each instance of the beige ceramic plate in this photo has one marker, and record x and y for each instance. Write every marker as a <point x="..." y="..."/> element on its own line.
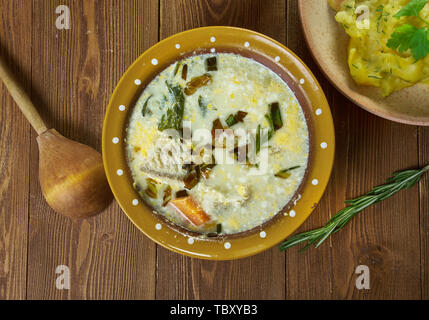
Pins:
<point x="328" y="43"/>
<point x="279" y="59"/>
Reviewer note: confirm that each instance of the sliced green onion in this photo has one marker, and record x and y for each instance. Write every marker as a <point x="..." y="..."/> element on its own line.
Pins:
<point x="271" y="124"/>
<point x="181" y="194"/>
<point x="206" y="169"/>
<point x="145" y="109"/>
<point x="211" y="64"/>
<point x="230" y="121"/>
<point x="240" y="115"/>
<point x="151" y="190"/>
<point x="167" y="196"/>
<point x="196" y="83"/>
<point x="234" y="119"/>
<point x="276" y="115"/>
<point x="185" y="72"/>
<point x="192" y="178"/>
<point x="284" y="174"/>
<point x="217" y="125"/>
<point x="258" y="139"/>
<point x="176" y="68"/>
<point x="202" y="105"/>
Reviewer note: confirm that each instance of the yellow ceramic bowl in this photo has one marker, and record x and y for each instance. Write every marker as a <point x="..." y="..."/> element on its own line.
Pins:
<point x="275" y="56"/>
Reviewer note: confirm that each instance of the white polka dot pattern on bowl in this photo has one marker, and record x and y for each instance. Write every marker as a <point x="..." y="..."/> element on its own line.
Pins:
<point x="194" y="243"/>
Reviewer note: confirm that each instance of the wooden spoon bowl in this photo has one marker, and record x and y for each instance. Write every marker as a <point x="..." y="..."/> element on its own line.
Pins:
<point x="71" y="174"/>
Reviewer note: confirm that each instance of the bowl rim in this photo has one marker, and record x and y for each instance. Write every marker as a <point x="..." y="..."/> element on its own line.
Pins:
<point x="351" y="95"/>
<point x="208" y="30"/>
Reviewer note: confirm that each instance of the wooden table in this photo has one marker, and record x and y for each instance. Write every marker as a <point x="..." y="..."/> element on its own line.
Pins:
<point x="71" y="74"/>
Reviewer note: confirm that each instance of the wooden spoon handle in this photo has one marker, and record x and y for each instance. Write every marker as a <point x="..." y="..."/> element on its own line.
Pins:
<point x="21" y="98"/>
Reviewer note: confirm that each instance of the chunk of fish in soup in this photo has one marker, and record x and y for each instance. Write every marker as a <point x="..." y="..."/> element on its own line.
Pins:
<point x="217" y="192"/>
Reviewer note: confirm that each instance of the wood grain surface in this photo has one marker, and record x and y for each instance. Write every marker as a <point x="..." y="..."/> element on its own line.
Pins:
<point x="70" y="75"/>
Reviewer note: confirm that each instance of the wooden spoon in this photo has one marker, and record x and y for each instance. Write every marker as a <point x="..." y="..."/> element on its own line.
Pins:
<point x="71" y="174"/>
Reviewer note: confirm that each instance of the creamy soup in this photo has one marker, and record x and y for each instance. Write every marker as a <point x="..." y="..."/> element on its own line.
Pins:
<point x="217" y="143"/>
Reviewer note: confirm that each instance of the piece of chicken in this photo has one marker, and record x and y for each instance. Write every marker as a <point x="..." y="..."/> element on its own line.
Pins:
<point x="168" y="158"/>
<point x="216" y="200"/>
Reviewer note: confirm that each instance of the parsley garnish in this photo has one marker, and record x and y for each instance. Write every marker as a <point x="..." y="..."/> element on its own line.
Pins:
<point x="413" y="8"/>
<point x="409" y="37"/>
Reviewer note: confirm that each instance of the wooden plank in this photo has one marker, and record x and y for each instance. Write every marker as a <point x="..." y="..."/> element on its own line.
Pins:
<point x="424" y="210"/>
<point x="179" y="15"/>
<point x="385" y="238"/>
<point x="74" y="74"/>
<point x="309" y="274"/>
<point x="259" y="277"/>
<point x="15" y="48"/>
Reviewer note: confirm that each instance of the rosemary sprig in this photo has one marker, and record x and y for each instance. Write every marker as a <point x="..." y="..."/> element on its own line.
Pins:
<point x="399" y="180"/>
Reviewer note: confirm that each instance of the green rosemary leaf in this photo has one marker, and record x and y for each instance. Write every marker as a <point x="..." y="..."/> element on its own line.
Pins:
<point x="397" y="182"/>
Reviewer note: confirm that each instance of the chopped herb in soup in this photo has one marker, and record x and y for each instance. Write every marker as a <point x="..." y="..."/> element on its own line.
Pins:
<point x="217" y="143"/>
